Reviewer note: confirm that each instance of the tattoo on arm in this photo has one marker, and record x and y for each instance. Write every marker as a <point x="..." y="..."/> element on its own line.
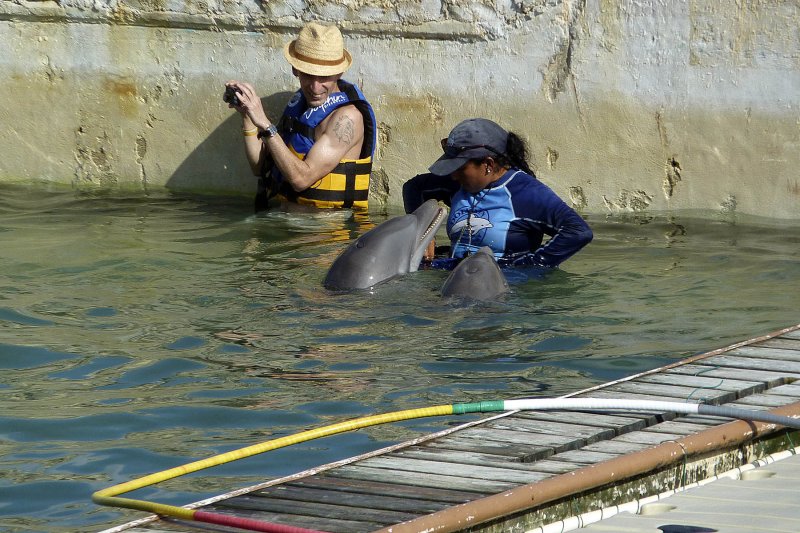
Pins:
<point x="344" y="130"/>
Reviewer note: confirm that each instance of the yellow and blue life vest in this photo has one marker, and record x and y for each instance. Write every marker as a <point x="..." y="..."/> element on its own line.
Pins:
<point x="347" y="185"/>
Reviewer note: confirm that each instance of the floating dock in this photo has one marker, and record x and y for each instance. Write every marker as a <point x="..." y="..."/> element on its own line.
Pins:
<point x="523" y="471"/>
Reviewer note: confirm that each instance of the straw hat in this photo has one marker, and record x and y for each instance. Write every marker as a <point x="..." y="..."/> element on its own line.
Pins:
<point x="318" y="50"/>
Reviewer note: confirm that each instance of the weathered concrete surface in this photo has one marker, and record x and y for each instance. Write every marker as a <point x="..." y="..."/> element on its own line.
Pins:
<point x="627" y="106"/>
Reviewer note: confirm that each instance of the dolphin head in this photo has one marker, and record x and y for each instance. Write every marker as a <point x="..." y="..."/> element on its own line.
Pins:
<point x="478" y="277"/>
<point x="388" y="250"/>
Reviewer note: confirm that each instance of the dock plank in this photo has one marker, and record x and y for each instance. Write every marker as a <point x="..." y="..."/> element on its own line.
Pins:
<point x="788" y="389"/>
<point x="579" y="433"/>
<point x="676" y="392"/>
<point x="491" y="473"/>
<point x="649" y="438"/>
<point x="765" y="352"/>
<point x="295" y="508"/>
<point x="339" y="485"/>
<point x="550" y="440"/>
<point x="782" y="343"/>
<point x="760" y="363"/>
<point x="770" y="378"/>
<point x="521" y="452"/>
<point x="350" y="499"/>
<point x="537" y="466"/>
<point x="324" y="523"/>
<point x="739" y="387"/>
<point x="582" y="457"/>
<point x="469" y="484"/>
<point x="615" y="447"/>
<point x="619" y="423"/>
<point x="464" y="457"/>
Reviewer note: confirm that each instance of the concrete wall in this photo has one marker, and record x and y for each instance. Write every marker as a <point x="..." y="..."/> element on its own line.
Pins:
<point x="626" y="105"/>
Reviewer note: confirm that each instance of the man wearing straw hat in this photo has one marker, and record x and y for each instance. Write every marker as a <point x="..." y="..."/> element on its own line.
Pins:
<point x="320" y="153"/>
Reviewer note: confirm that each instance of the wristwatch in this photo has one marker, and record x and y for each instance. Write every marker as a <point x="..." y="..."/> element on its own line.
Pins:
<point x="269" y="133"/>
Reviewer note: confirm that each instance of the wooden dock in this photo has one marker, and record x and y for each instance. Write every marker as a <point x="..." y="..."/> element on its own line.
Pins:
<point x="455" y="476"/>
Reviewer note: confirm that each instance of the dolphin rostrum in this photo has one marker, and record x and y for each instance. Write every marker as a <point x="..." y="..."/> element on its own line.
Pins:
<point x="477" y="277"/>
<point x="390" y="249"/>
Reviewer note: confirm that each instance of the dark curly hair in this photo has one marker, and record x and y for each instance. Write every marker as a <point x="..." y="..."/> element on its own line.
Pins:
<point x="516" y="154"/>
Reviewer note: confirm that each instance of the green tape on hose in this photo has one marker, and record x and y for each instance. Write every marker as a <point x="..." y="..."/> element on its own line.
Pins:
<point x="478" y="407"/>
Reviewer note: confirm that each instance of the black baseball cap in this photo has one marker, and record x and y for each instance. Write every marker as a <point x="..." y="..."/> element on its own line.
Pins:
<point x="473" y="138"/>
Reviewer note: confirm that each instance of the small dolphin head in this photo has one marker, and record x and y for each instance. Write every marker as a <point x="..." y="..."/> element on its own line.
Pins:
<point x="478" y="277"/>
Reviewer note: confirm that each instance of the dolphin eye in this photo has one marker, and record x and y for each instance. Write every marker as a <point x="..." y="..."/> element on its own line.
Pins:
<point x="359" y="243"/>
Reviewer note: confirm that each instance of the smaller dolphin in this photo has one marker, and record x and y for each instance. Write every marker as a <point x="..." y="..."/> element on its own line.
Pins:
<point x="390" y="249"/>
<point x="477" y="277"/>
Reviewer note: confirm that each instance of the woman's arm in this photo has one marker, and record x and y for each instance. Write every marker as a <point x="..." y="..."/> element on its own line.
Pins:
<point x="423" y="187"/>
<point x="541" y="211"/>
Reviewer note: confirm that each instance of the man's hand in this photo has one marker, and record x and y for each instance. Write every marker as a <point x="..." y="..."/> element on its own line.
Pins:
<point x="249" y="104"/>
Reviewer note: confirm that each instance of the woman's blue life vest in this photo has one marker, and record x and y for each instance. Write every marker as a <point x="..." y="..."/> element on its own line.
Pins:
<point x="347" y="185"/>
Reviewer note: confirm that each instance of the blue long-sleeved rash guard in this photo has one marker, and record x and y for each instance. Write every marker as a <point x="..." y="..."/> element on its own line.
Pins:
<point x="511" y="216"/>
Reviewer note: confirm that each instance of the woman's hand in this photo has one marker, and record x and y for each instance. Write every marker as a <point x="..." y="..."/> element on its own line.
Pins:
<point x="430" y="251"/>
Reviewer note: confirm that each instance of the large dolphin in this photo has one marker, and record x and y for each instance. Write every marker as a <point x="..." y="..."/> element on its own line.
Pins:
<point x="388" y="250"/>
<point x="477" y="277"/>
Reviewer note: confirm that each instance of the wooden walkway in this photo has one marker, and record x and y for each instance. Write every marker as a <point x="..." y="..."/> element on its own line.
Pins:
<point x="505" y="452"/>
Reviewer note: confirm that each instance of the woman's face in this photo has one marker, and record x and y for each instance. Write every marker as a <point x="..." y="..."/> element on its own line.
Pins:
<point x="473" y="176"/>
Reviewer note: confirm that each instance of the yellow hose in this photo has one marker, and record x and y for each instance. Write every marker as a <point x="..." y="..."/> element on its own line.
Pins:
<point x="109" y="496"/>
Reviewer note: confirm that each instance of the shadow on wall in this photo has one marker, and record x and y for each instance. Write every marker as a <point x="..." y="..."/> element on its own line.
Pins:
<point x="218" y="164"/>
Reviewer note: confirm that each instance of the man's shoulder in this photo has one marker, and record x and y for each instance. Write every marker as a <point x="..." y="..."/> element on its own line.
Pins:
<point x="346" y="113"/>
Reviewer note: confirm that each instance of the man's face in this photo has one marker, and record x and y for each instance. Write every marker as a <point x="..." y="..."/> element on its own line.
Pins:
<point x="316" y="89"/>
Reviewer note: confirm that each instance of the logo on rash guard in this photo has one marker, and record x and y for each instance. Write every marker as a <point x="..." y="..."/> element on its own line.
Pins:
<point x="470" y="226"/>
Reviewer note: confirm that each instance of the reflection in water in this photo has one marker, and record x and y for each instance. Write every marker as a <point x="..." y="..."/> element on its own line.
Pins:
<point x="139" y="333"/>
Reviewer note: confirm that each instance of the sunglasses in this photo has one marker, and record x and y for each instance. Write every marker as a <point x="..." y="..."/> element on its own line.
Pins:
<point x="454" y="151"/>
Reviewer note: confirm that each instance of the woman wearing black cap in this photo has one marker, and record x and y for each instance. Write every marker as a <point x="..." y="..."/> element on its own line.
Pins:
<point x="495" y="200"/>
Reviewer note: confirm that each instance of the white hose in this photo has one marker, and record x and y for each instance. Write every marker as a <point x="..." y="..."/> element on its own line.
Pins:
<point x="605" y="404"/>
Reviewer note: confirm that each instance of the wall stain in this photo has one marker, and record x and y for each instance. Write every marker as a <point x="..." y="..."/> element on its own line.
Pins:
<point x="436" y="108"/>
<point x="610" y="21"/>
<point x="662" y="129"/>
<point x="559" y="69"/>
<point x="728" y="205"/>
<point x="577" y="197"/>
<point x="379" y="187"/>
<point x="124" y="88"/>
<point x="672" y="175"/>
<point x="628" y="201"/>
<point x="559" y="74"/>
<point x="126" y="92"/>
<point x="384" y="137"/>
<point x="676" y="230"/>
<point x="141" y="152"/>
<point x="50" y="72"/>
<point x="93" y="162"/>
<point x="429" y="103"/>
<point x="552" y="157"/>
